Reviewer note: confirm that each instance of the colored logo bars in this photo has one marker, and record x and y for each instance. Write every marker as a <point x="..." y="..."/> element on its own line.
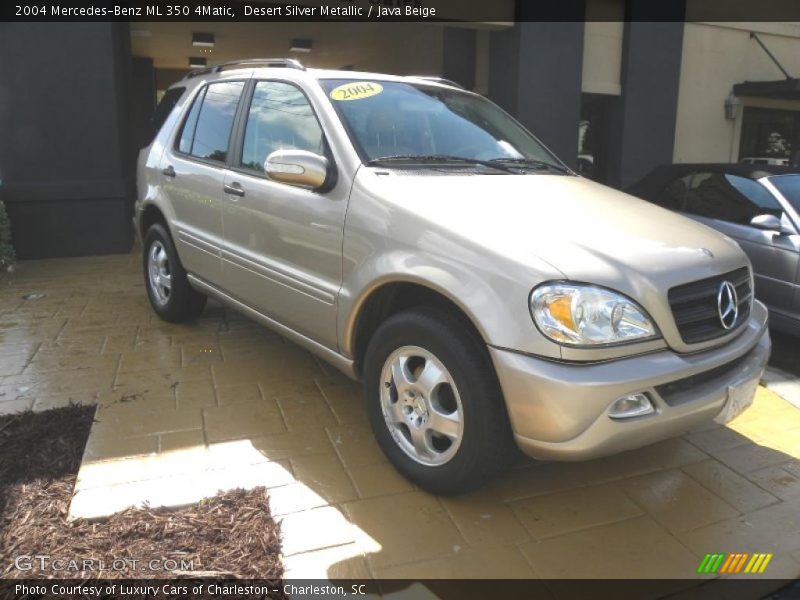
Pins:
<point x="741" y="562"/>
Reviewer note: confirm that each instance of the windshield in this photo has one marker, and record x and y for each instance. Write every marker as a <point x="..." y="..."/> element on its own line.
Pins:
<point x="401" y="121"/>
<point x="789" y="187"/>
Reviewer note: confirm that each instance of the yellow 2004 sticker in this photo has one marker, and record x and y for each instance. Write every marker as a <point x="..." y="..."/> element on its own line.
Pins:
<point x="356" y="90"/>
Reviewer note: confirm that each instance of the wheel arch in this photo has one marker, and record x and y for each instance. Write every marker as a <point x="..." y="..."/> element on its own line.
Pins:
<point x="389" y="297"/>
<point x="150" y="215"/>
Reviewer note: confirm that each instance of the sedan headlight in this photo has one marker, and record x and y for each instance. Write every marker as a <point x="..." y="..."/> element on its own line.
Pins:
<point x="586" y="315"/>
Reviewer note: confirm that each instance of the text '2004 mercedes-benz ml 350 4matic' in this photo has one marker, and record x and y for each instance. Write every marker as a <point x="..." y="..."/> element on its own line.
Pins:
<point x="418" y="238"/>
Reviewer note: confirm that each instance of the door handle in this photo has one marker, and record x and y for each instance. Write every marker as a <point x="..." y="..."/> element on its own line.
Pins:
<point x="235" y="189"/>
<point x="168" y="172"/>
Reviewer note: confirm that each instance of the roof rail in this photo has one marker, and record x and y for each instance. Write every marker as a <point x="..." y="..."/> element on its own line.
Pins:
<point x="287" y="63"/>
<point x="441" y="80"/>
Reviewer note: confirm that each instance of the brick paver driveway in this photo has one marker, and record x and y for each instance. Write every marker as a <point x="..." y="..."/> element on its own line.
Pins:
<point x="185" y="410"/>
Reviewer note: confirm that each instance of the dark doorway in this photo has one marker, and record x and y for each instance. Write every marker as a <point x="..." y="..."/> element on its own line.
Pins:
<point x="142" y="101"/>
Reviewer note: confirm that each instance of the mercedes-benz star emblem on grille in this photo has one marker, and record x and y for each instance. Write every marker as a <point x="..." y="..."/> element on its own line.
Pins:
<point x="727" y="305"/>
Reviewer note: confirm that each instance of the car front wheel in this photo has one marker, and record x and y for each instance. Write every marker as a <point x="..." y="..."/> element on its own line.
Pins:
<point x="434" y="402"/>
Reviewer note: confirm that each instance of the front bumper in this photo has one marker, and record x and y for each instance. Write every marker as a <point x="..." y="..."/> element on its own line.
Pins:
<point x="559" y="411"/>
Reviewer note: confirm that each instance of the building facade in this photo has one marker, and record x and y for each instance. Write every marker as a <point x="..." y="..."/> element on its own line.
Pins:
<point x="612" y="97"/>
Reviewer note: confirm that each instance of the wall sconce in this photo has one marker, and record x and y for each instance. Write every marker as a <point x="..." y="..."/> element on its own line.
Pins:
<point x="731" y="106"/>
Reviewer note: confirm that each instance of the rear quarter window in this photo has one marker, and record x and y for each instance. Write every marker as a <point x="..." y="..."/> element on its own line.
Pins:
<point x="163" y="110"/>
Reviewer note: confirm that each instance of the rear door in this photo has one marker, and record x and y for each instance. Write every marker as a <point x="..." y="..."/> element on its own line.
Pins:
<point x="193" y="172"/>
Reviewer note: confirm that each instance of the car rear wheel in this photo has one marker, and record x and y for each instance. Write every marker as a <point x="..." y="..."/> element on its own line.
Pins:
<point x="171" y="295"/>
<point x="434" y="402"/>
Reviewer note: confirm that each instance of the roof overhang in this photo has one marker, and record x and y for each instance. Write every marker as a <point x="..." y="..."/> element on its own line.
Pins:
<point x="785" y="89"/>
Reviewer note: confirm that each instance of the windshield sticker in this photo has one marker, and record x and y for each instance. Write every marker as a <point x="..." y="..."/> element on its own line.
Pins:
<point x="356" y="90"/>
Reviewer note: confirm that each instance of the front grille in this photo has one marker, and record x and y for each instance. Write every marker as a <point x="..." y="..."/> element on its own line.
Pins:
<point x="694" y="306"/>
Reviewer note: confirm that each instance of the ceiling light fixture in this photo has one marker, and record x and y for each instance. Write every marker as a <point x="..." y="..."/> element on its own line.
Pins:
<point x="203" y="40"/>
<point x="300" y="45"/>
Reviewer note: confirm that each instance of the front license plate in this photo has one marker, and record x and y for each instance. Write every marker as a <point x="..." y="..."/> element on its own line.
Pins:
<point x="740" y="396"/>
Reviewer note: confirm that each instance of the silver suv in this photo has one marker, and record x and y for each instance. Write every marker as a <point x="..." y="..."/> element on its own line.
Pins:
<point x="418" y="238"/>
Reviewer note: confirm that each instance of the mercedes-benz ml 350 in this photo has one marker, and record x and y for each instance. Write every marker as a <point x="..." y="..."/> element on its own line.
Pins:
<point x="418" y="238"/>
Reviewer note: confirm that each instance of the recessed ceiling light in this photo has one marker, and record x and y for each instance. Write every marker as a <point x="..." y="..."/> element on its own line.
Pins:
<point x="197" y="61"/>
<point x="300" y="45"/>
<point x="203" y="40"/>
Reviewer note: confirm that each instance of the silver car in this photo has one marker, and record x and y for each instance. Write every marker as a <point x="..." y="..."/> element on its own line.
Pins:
<point x="418" y="238"/>
<point x="758" y="206"/>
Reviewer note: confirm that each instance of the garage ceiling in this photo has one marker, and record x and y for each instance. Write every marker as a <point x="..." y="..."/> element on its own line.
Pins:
<point x="401" y="48"/>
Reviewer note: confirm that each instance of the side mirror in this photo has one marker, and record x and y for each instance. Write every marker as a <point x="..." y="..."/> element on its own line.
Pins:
<point x="297" y="167"/>
<point x="769" y="223"/>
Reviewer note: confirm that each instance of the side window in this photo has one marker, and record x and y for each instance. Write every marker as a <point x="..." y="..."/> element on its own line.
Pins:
<point x="673" y="196"/>
<point x="189" y="125"/>
<point x="213" y="122"/>
<point x="279" y="117"/>
<point x="163" y="110"/>
<point x="729" y="198"/>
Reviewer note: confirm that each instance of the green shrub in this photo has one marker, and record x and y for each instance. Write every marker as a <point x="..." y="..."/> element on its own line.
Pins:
<point x="7" y="256"/>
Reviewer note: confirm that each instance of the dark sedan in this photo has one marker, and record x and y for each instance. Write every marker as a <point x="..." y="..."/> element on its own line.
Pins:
<point x="758" y="206"/>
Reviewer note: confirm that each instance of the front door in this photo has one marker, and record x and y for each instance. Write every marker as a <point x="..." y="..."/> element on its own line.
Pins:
<point x="283" y="243"/>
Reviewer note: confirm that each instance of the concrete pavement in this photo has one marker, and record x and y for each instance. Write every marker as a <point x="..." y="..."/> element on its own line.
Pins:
<point x="186" y="410"/>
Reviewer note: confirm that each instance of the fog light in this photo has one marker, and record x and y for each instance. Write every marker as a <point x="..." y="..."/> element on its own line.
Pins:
<point x="635" y="405"/>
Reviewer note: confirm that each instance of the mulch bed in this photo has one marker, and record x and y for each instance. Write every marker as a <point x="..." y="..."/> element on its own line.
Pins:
<point x="229" y="535"/>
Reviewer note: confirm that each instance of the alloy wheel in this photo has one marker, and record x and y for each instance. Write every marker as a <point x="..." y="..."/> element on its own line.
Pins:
<point x="421" y="406"/>
<point x="159" y="273"/>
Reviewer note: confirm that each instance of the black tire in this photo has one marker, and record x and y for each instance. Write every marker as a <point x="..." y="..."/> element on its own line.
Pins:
<point x="183" y="303"/>
<point x="486" y="440"/>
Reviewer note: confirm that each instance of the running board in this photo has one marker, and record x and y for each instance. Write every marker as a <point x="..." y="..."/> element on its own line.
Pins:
<point x="345" y="365"/>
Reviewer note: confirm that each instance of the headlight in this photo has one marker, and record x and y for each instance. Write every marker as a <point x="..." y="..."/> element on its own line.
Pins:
<point x="585" y="315"/>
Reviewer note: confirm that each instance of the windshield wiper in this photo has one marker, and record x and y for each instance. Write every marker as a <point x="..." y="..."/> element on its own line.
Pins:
<point x="440" y="159"/>
<point x="530" y="162"/>
<point x="507" y="165"/>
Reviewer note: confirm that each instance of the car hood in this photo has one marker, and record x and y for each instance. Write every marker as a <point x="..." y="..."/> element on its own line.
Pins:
<point x="586" y="231"/>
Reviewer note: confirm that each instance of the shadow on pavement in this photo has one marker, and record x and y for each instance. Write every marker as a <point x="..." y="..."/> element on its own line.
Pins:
<point x="785" y="352"/>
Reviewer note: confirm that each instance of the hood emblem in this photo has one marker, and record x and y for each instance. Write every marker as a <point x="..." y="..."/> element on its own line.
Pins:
<point x="707" y="252"/>
<point x="727" y="305"/>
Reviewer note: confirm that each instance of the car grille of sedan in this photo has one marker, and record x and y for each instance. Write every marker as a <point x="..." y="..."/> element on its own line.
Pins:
<point x="696" y="311"/>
